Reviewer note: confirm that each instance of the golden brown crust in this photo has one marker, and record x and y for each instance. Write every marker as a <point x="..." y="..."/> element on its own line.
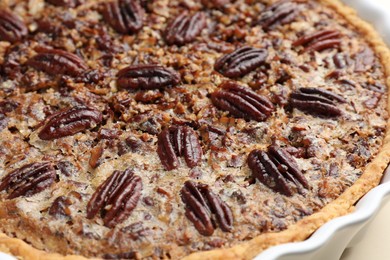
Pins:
<point x="303" y="228"/>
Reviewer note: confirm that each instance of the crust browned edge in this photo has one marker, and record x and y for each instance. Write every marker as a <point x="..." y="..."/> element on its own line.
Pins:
<point x="303" y="228"/>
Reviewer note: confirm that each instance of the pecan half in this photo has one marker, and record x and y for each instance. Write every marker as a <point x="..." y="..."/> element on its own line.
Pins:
<point x="116" y="197"/>
<point x="69" y="122"/>
<point x="149" y="76"/>
<point x="178" y="141"/>
<point x="319" y="41"/>
<point x="317" y="101"/>
<point x="12" y="29"/>
<point x="242" y="102"/>
<point x="279" y="13"/>
<point x="124" y="16"/>
<point x="204" y="208"/>
<point x="240" y="62"/>
<point x="185" y="28"/>
<point x="277" y="169"/>
<point x="54" y="62"/>
<point x="28" y="180"/>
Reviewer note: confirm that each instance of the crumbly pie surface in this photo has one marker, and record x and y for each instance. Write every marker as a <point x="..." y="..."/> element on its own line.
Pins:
<point x="165" y="129"/>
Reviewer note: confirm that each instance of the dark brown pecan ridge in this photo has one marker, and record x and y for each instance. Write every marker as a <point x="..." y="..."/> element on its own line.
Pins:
<point x="185" y="28"/>
<point x="149" y="76"/>
<point x="179" y="141"/>
<point x="54" y="62"/>
<point x="121" y="191"/>
<point x="240" y="62"/>
<point x="205" y="209"/>
<point x="12" y="29"/>
<point x="277" y="169"/>
<point x="67" y="3"/>
<point x="279" y="13"/>
<point x="319" y="40"/>
<point x="28" y="180"/>
<point x="125" y="16"/>
<point x="242" y="102"/>
<point x="317" y="101"/>
<point x="69" y="122"/>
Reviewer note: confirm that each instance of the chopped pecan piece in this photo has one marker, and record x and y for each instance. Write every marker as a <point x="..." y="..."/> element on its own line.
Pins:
<point x="60" y="207"/>
<point x="125" y="255"/>
<point x="12" y="29"/>
<point x="364" y="60"/>
<point x="204" y="208"/>
<point x="7" y="106"/>
<point x="28" y="180"/>
<point x="319" y="41"/>
<point x="149" y="76"/>
<point x="317" y="101"/>
<point x="96" y="154"/>
<point x="116" y="197"/>
<point x="179" y="141"/>
<point x="277" y="169"/>
<point x="67" y="3"/>
<point x="125" y="16"/>
<point x="279" y="13"/>
<point x="215" y="3"/>
<point x="240" y="62"/>
<point x="69" y="122"/>
<point x="185" y="28"/>
<point x="54" y="61"/>
<point x="242" y="102"/>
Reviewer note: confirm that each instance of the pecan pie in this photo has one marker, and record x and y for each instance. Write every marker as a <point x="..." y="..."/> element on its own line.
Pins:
<point x="170" y="129"/>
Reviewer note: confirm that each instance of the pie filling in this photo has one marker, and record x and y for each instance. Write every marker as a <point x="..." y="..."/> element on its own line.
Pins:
<point x="135" y="129"/>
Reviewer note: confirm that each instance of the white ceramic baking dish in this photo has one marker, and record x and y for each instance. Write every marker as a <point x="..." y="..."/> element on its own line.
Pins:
<point x="330" y="241"/>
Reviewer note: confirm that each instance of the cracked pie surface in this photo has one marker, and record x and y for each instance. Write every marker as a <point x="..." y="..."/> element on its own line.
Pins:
<point x="184" y="129"/>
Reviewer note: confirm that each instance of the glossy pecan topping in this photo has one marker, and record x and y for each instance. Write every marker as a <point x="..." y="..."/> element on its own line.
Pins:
<point x="125" y="16"/>
<point x="240" y="62"/>
<point x="317" y="101"/>
<point x="67" y="3"/>
<point x="279" y="13"/>
<point x="69" y="122"/>
<point x="205" y="209"/>
<point x="319" y="40"/>
<point x="149" y="76"/>
<point x="242" y="102"/>
<point x="185" y="28"/>
<point x="28" y="180"/>
<point x="116" y="197"/>
<point x="54" y="62"/>
<point x="12" y="29"/>
<point x="178" y="141"/>
<point x="277" y="169"/>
